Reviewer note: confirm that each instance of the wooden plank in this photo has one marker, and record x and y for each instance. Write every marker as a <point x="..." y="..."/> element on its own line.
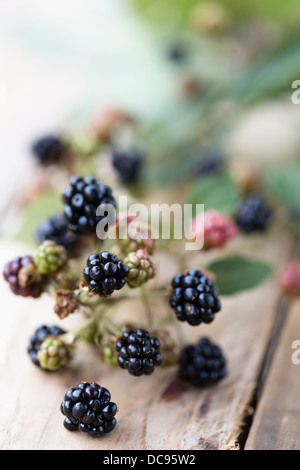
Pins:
<point x="276" y="422"/>
<point x="154" y="412"/>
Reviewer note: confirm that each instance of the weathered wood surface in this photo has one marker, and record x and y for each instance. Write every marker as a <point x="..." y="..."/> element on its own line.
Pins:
<point x="154" y="412"/>
<point x="276" y="422"/>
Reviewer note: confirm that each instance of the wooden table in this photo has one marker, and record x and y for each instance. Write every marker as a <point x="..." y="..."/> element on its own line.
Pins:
<point x="255" y="407"/>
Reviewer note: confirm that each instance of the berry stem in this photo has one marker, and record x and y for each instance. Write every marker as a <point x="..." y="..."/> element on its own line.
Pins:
<point x="110" y="327"/>
<point x="148" y="310"/>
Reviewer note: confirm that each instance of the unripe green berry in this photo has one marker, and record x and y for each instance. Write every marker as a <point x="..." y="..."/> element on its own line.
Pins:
<point x="53" y="354"/>
<point x="141" y="268"/>
<point x="50" y="257"/>
<point x="139" y="237"/>
<point x="109" y="357"/>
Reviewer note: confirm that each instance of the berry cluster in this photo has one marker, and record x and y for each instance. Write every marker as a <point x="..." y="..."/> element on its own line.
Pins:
<point x="202" y="364"/>
<point x="56" y="229"/>
<point x="127" y="163"/>
<point x="104" y="273"/>
<point x="87" y="408"/>
<point x="194" y="298"/>
<point x="50" y="257"/>
<point x="39" y="337"/>
<point x="218" y="229"/>
<point x="134" y="235"/>
<point x="48" y="149"/>
<point x="253" y="214"/>
<point x="82" y="199"/>
<point x="23" y="277"/>
<point x="141" y="268"/>
<point x="53" y="353"/>
<point x="138" y="352"/>
<point x="289" y="278"/>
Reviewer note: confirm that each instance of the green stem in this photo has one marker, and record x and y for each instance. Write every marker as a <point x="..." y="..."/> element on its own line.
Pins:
<point x="148" y="310"/>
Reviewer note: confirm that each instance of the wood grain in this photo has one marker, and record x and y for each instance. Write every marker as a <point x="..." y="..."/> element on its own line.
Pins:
<point x="155" y="412"/>
<point x="276" y="422"/>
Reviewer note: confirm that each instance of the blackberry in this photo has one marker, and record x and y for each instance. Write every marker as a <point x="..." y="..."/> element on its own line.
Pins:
<point x="127" y="163"/>
<point x="135" y="235"/>
<point x="48" y="149"/>
<point x="253" y="214"/>
<point x="104" y="273"/>
<point x="87" y="408"/>
<point x="141" y="268"/>
<point x="23" y="277"/>
<point x="177" y="53"/>
<point x="202" y="364"/>
<point x="194" y="298"/>
<point x="53" y="354"/>
<point x="38" y="338"/>
<point x="50" y="257"/>
<point x="138" y="352"/>
<point x="56" y="229"/>
<point x="209" y="162"/>
<point x="81" y="199"/>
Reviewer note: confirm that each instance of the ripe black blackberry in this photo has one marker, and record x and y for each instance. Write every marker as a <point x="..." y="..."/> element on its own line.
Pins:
<point x="104" y="273"/>
<point x="202" y="364"/>
<point x="138" y="352"/>
<point x="88" y="408"/>
<point x="253" y="214"/>
<point x="56" y="229"/>
<point x="194" y="298"/>
<point x="177" y="53"/>
<point x="81" y="199"/>
<point x="48" y="149"/>
<point x="127" y="163"/>
<point x="38" y="337"/>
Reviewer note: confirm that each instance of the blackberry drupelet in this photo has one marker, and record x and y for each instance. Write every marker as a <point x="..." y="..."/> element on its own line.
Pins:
<point x="48" y="149"/>
<point x="138" y="352"/>
<point x="81" y="199"/>
<point x="23" y="277"/>
<point x="56" y="229"/>
<point x="127" y="163"/>
<point x="38" y="338"/>
<point x="253" y="214"/>
<point x="194" y="298"/>
<point x="88" y="408"/>
<point x="104" y="273"/>
<point x="202" y="364"/>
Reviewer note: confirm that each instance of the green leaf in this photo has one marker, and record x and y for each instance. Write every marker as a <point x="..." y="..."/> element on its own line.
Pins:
<point x="236" y="273"/>
<point x="283" y="182"/>
<point x="215" y="192"/>
<point x="46" y="204"/>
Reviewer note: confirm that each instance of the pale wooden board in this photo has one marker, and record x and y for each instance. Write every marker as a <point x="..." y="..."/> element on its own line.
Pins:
<point x="276" y="423"/>
<point x="193" y="419"/>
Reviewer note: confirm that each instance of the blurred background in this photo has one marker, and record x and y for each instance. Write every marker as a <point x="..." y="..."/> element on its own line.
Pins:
<point x="207" y="87"/>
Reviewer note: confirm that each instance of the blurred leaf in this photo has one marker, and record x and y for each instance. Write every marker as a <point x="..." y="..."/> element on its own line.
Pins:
<point x="45" y="204"/>
<point x="235" y="274"/>
<point x="215" y="192"/>
<point x="284" y="183"/>
<point x="271" y="76"/>
<point x="168" y="12"/>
